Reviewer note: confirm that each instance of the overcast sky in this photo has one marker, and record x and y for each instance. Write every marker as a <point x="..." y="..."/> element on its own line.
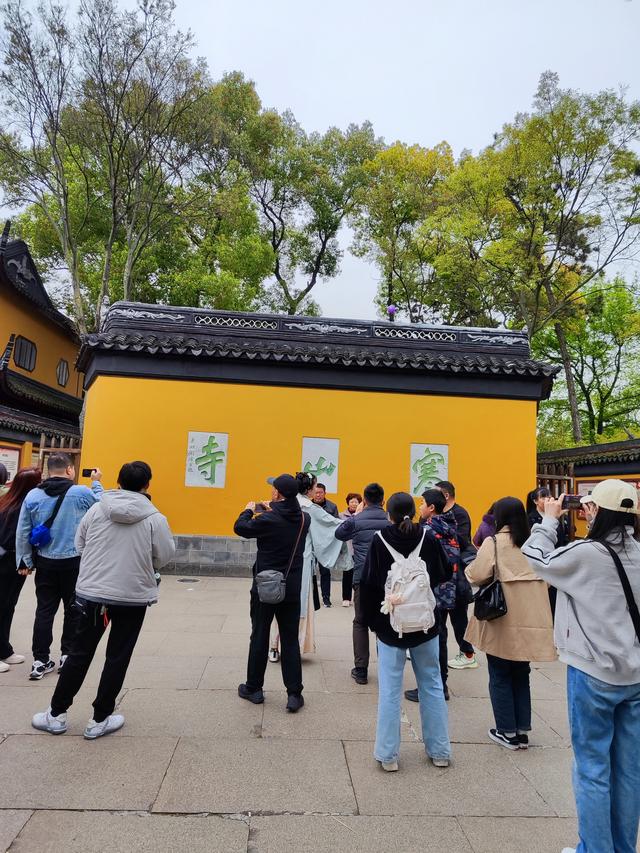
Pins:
<point x="420" y="70"/>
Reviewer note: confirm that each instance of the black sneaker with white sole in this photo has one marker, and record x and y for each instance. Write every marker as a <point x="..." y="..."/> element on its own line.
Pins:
<point x="523" y="741"/>
<point x="39" y="669"/>
<point x="504" y="740"/>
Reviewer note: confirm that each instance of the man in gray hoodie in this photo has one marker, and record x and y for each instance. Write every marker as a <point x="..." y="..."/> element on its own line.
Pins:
<point x="122" y="541"/>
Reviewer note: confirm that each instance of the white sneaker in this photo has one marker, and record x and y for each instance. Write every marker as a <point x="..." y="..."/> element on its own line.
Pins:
<point x="346" y="603"/>
<point x="14" y="659"/>
<point x="461" y="661"/>
<point x="111" y="724"/>
<point x="61" y="664"/>
<point x="389" y="766"/>
<point x="440" y="762"/>
<point x="39" y="669"/>
<point x="4" y="667"/>
<point x="274" y="655"/>
<point x="46" y="722"/>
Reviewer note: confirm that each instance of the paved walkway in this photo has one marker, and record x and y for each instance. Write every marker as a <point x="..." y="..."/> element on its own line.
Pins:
<point x="197" y="769"/>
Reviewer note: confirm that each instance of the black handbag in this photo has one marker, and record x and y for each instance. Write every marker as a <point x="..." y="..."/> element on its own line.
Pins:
<point x="489" y="601"/>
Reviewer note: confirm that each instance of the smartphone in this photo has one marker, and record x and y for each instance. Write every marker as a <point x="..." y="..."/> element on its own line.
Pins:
<point x="87" y="472"/>
<point x="260" y="506"/>
<point x="572" y="502"/>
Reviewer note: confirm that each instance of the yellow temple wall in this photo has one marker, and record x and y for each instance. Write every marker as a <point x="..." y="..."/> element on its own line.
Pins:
<point x="492" y="442"/>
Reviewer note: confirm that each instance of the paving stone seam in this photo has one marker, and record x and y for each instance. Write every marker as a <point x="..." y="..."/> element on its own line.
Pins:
<point x="262" y="813"/>
<point x="532" y="784"/>
<point x="353" y="787"/>
<point x="164" y="775"/>
<point x="464" y="834"/>
<point x="8" y="850"/>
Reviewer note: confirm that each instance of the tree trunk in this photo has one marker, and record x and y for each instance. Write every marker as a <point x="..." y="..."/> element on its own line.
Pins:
<point x="106" y="275"/>
<point x="571" y="385"/>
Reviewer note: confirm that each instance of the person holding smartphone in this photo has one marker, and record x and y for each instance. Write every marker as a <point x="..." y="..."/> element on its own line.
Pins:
<point x="597" y="633"/>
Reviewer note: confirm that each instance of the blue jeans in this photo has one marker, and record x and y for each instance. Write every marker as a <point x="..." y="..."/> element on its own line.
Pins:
<point x="433" y="708"/>
<point x="605" y="732"/>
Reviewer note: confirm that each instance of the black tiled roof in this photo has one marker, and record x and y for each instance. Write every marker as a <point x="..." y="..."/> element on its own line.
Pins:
<point x="191" y="333"/>
<point x="161" y="344"/>
<point x="616" y="451"/>
<point x="36" y="424"/>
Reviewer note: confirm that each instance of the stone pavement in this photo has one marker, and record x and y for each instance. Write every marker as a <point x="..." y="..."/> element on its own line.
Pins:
<point x="197" y="769"/>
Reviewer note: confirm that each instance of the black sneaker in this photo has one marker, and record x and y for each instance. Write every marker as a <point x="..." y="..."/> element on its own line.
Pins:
<point x="255" y="696"/>
<point x="412" y="695"/>
<point x="326" y="603"/>
<point x="39" y="669"/>
<point x="523" y="741"/>
<point x="295" y="702"/>
<point x="359" y="675"/>
<point x="503" y="740"/>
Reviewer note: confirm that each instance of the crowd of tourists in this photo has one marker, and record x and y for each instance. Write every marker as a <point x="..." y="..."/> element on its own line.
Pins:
<point x="535" y="593"/>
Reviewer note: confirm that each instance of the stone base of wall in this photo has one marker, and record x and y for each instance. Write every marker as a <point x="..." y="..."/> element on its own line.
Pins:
<point x="215" y="556"/>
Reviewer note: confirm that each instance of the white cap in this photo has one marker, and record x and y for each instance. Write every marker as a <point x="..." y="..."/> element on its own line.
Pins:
<point x="615" y="495"/>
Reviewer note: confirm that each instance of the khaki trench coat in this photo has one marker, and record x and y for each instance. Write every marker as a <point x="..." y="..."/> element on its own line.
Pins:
<point x="525" y="633"/>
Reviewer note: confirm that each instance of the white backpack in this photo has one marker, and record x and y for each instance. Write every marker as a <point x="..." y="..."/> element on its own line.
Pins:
<point x="408" y="581"/>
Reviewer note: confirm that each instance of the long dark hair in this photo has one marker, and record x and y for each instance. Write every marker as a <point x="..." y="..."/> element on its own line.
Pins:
<point x="305" y="482"/>
<point x="608" y="522"/>
<point x="25" y="480"/>
<point x="510" y="512"/>
<point x="402" y="510"/>
<point x="532" y="497"/>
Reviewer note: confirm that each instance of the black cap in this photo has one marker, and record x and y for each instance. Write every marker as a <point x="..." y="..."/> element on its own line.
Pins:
<point x="285" y="484"/>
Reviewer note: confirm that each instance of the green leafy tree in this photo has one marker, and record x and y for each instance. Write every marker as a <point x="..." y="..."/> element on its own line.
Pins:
<point x="305" y="188"/>
<point x="397" y="203"/>
<point x="543" y="212"/>
<point x="603" y="340"/>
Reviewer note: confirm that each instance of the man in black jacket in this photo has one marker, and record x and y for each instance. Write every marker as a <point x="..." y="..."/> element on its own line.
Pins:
<point x="360" y="529"/>
<point x="281" y="533"/>
<point x="456" y="514"/>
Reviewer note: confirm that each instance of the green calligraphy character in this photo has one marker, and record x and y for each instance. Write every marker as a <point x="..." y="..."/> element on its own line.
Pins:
<point x="426" y="469"/>
<point x="210" y="458"/>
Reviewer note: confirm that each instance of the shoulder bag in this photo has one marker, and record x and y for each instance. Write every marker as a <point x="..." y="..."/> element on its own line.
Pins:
<point x="489" y="601"/>
<point x="40" y="535"/>
<point x="626" y="586"/>
<point x="271" y="585"/>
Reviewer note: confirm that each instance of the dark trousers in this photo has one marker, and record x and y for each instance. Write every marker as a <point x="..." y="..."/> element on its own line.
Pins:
<point x="287" y="616"/>
<point x="347" y="585"/>
<point x="510" y="694"/>
<point x="459" y="623"/>
<point x="444" y="651"/>
<point x="126" y="623"/>
<point x="11" y="584"/>
<point x="360" y="632"/>
<point x="325" y="584"/>
<point x="52" y="587"/>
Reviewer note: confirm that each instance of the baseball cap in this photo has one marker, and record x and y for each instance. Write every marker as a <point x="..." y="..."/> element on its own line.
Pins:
<point x="615" y="495"/>
<point x="285" y="484"/>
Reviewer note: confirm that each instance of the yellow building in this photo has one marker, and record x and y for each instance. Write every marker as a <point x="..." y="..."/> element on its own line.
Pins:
<point x="217" y="402"/>
<point x="40" y="387"/>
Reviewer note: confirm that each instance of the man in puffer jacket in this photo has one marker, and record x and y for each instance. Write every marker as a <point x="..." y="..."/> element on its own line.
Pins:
<point x="122" y="541"/>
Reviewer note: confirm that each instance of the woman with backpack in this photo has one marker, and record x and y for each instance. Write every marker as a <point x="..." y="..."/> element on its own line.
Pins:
<point x="11" y="582"/>
<point x="522" y="635"/>
<point x="405" y="545"/>
<point x="597" y="632"/>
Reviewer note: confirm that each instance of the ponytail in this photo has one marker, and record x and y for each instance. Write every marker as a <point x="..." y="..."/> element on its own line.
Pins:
<point x="402" y="511"/>
<point x="305" y="482"/>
